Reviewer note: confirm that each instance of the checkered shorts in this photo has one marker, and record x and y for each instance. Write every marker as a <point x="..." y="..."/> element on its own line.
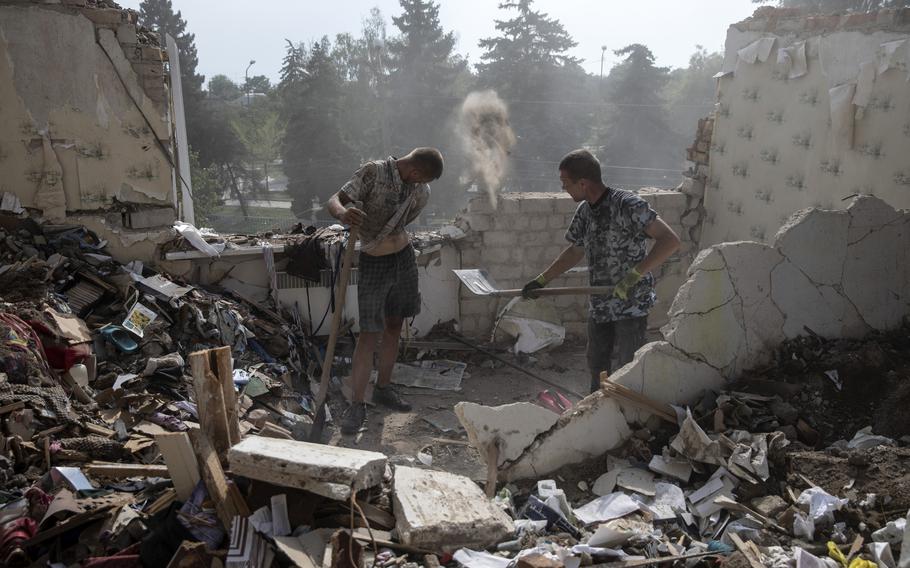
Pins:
<point x="387" y="288"/>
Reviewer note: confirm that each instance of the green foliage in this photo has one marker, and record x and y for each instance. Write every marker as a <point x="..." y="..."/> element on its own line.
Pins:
<point x="635" y="131"/>
<point x="690" y="92"/>
<point x="223" y="89"/>
<point x="206" y="190"/>
<point x="317" y="159"/>
<point x="257" y="84"/>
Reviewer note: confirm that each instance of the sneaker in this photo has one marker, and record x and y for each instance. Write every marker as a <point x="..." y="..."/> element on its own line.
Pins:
<point x="389" y="397"/>
<point x="354" y="418"/>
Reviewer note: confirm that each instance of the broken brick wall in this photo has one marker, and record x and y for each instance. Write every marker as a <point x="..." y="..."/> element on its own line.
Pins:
<point x="518" y="239"/>
<point x="836" y="274"/>
<point x="810" y="111"/>
<point x="85" y="128"/>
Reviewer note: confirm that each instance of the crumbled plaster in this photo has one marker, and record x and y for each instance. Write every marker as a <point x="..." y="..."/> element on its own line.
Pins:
<point x="832" y="273"/>
<point x="77" y="131"/>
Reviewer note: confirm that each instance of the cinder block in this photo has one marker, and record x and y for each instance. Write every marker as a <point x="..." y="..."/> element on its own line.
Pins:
<point x="510" y="222"/>
<point x="495" y="255"/>
<point x="147" y="218"/>
<point x="126" y="34"/>
<point x="480" y="222"/>
<point x="538" y="222"/>
<point x="476" y="306"/>
<point x="151" y="53"/>
<point x="480" y="204"/>
<point x="470" y="257"/>
<point x="104" y="17"/>
<point x="500" y="239"/>
<point x="508" y="206"/>
<point x="536" y="205"/>
<point x="557" y="221"/>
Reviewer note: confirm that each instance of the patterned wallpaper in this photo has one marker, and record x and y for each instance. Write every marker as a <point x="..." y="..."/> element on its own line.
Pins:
<point x="806" y="120"/>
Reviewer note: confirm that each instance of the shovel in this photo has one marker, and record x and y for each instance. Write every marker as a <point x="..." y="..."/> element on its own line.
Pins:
<point x="481" y="283"/>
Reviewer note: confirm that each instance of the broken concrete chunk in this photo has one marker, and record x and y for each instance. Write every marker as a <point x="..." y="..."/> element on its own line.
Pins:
<point x="440" y="510"/>
<point x="770" y="505"/>
<point x="676" y="468"/>
<point x="329" y="471"/>
<point x="512" y="426"/>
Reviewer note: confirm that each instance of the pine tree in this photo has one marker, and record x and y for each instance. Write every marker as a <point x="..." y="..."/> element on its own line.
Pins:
<point x="635" y="131"/>
<point x="317" y="159"/>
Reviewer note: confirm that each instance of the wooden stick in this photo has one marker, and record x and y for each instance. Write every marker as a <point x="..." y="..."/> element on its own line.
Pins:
<point x="745" y="550"/>
<point x="12" y="407"/>
<point x="228" y="501"/>
<point x="124" y="470"/>
<point x="225" y="367"/>
<point x="652" y="561"/>
<point x="340" y="293"/>
<point x="210" y="403"/>
<point x="492" y="467"/>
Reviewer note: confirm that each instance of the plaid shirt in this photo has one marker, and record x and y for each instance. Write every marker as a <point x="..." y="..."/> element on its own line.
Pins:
<point x="378" y="186"/>
<point x="612" y="232"/>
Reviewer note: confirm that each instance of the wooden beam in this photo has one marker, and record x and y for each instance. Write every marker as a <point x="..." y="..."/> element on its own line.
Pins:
<point x="210" y="404"/>
<point x="228" y="501"/>
<point x="181" y="462"/>
<point x="124" y="470"/>
<point x="492" y="467"/>
<point x="225" y="371"/>
<point x="12" y="407"/>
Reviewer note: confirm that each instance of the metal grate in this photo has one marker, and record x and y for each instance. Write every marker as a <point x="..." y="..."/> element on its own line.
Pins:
<point x="290" y="282"/>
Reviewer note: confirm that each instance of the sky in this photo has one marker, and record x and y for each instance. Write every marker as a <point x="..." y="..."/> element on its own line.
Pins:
<point x="231" y="33"/>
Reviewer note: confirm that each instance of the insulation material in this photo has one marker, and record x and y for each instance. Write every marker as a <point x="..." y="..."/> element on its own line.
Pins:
<point x="841" y="133"/>
<point x="794" y="59"/>
<point x="780" y="145"/>
<point x="758" y="50"/>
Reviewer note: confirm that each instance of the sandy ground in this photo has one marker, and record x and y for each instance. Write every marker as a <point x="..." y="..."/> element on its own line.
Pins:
<point x="402" y="435"/>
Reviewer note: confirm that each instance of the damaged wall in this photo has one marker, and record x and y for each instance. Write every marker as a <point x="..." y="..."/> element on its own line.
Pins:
<point x="810" y="111"/>
<point x="519" y="239"/>
<point x="836" y="273"/>
<point x="84" y="113"/>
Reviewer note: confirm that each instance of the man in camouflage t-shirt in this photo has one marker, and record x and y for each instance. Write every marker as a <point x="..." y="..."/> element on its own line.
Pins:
<point x="611" y="227"/>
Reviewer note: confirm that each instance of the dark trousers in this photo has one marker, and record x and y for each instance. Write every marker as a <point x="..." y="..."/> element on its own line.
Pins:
<point x="613" y="344"/>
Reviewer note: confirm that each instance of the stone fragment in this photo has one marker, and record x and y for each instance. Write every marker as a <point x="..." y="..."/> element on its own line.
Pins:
<point x="329" y="471"/>
<point x="821" y="259"/>
<point x="537" y="560"/>
<point x="438" y="510"/>
<point x="769" y="505"/>
<point x="512" y="426"/>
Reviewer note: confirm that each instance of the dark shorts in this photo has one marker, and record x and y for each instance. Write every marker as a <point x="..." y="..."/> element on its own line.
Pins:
<point x="613" y="344"/>
<point x="387" y="288"/>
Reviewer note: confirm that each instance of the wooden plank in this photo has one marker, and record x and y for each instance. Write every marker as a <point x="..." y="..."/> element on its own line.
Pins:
<point x="164" y="501"/>
<point x="50" y="431"/>
<point x="181" y="462"/>
<point x="98" y="430"/>
<point x="124" y="470"/>
<point x="745" y="550"/>
<point x="228" y="502"/>
<point x="225" y="371"/>
<point x="210" y="404"/>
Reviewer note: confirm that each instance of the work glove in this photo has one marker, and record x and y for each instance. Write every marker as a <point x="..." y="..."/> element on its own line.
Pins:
<point x="529" y="292"/>
<point x="625" y="285"/>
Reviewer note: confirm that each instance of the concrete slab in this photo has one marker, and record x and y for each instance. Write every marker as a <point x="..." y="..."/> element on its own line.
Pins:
<point x="875" y="273"/>
<point x="816" y="242"/>
<point x="441" y="510"/>
<point x="595" y="426"/>
<point x="514" y="426"/>
<point x="805" y="305"/>
<point x="329" y="471"/>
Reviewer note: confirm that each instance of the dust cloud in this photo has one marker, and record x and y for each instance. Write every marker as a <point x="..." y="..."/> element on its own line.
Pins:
<point x="487" y="138"/>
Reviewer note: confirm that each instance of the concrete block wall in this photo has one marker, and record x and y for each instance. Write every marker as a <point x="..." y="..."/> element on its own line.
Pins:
<point x="525" y="232"/>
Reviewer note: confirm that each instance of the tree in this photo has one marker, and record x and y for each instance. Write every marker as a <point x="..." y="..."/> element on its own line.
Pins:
<point x="549" y="95"/>
<point x="221" y="88"/>
<point x="690" y="92"/>
<point x="257" y="84"/>
<point x="635" y="131"/>
<point x="261" y="131"/>
<point x="317" y="159"/>
<point x="206" y="190"/>
<point x="839" y="5"/>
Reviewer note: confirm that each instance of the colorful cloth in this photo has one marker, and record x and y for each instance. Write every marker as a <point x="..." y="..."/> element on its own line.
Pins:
<point x="612" y="232"/>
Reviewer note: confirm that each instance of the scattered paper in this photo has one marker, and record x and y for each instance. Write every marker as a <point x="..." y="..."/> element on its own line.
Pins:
<point x="439" y="375"/>
<point x="605" y="508"/>
<point x="139" y="318"/>
<point x="474" y="559"/>
<point x="865" y="439"/>
<point x="194" y="237"/>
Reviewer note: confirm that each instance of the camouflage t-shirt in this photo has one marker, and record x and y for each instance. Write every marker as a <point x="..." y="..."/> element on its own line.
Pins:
<point x="612" y="232"/>
<point x="379" y="186"/>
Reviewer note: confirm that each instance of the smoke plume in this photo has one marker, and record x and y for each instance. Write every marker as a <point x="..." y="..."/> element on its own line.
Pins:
<point x="487" y="138"/>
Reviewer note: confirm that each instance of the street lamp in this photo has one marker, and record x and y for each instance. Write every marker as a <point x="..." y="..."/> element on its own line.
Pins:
<point x="246" y="80"/>
<point x="603" y="52"/>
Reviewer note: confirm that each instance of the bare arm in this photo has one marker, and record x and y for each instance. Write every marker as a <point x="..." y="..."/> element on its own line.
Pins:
<point x="666" y="243"/>
<point x="568" y="258"/>
<point x="350" y="215"/>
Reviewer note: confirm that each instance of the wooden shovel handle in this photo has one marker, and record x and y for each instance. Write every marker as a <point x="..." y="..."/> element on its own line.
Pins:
<point x="565" y="291"/>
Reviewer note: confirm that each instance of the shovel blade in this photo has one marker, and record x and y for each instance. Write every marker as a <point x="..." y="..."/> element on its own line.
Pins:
<point x="477" y="280"/>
